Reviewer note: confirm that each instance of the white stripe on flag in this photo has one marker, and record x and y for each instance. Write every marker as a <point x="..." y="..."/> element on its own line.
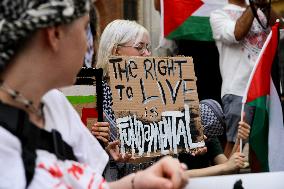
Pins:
<point x="79" y="90"/>
<point x="276" y="132"/>
<point x="209" y="6"/>
<point x="255" y="66"/>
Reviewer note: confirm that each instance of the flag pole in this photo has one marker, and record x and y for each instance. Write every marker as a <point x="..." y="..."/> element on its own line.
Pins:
<point x="250" y="78"/>
<point x="242" y="119"/>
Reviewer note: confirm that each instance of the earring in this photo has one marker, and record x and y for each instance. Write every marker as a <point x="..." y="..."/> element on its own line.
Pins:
<point x="116" y="52"/>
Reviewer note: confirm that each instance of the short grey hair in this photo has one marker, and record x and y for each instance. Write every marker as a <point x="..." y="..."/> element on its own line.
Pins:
<point x="118" y="32"/>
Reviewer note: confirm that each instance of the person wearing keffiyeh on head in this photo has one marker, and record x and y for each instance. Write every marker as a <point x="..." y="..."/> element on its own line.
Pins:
<point x="214" y="162"/>
<point x="212" y="117"/>
<point x="43" y="143"/>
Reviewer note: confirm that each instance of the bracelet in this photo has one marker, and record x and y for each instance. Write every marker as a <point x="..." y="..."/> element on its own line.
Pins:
<point x="132" y="180"/>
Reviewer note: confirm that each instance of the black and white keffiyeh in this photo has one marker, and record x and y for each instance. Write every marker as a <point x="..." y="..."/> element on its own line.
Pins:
<point x="212" y="117"/>
<point x="20" y="18"/>
<point x="108" y="111"/>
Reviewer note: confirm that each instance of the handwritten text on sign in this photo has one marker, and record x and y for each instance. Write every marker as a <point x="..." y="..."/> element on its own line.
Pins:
<point x="149" y="96"/>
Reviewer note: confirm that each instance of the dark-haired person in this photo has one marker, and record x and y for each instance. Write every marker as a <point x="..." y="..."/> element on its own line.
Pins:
<point x="239" y="38"/>
<point x="214" y="162"/>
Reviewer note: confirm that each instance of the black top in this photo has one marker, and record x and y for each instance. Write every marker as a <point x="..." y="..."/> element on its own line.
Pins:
<point x="214" y="148"/>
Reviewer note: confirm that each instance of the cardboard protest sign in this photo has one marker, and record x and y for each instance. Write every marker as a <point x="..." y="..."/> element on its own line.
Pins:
<point x="156" y="104"/>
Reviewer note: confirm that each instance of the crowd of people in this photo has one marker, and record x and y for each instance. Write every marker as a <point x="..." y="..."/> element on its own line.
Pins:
<point x="43" y="142"/>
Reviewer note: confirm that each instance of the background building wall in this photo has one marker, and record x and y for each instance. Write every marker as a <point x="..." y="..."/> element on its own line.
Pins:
<point x="108" y="10"/>
<point x="150" y="19"/>
<point x="278" y="5"/>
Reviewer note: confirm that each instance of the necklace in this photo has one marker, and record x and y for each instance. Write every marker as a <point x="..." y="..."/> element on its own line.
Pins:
<point x="18" y="97"/>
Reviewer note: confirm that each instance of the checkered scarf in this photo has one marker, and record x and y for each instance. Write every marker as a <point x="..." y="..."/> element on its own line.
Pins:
<point x="212" y="117"/>
<point x="20" y="18"/>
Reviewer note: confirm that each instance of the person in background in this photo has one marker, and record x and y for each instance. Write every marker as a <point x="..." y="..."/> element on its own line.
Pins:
<point x="122" y="38"/>
<point x="91" y="38"/>
<point x="239" y="38"/>
<point x="49" y="38"/>
<point x="205" y="56"/>
<point x="88" y="61"/>
<point x="214" y="162"/>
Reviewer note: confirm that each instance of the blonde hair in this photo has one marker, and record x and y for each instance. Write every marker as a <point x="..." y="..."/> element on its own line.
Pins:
<point x="118" y="32"/>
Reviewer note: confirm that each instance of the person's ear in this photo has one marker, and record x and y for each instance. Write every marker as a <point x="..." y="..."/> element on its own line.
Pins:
<point x="54" y="36"/>
<point x="115" y="51"/>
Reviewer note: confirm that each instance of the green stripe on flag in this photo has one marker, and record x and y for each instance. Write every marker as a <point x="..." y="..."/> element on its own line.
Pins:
<point x="259" y="132"/>
<point x="81" y="99"/>
<point x="194" y="28"/>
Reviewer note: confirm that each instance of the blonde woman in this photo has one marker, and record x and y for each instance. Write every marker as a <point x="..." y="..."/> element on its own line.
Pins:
<point x="122" y="38"/>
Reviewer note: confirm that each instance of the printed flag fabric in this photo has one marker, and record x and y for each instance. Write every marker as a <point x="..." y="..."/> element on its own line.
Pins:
<point x="267" y="131"/>
<point x="188" y="19"/>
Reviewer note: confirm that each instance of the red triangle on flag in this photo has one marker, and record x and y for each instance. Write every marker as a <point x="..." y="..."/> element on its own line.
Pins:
<point x="259" y="83"/>
<point x="178" y="11"/>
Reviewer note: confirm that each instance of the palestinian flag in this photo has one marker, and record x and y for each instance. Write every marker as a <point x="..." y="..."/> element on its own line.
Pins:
<point x="84" y="101"/>
<point x="267" y="131"/>
<point x="188" y="19"/>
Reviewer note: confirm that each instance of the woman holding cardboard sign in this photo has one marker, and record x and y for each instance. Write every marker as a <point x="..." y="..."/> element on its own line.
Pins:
<point x="122" y="38"/>
<point x="39" y="38"/>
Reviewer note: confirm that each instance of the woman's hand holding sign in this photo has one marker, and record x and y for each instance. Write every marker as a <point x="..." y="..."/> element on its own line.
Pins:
<point x="101" y="131"/>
